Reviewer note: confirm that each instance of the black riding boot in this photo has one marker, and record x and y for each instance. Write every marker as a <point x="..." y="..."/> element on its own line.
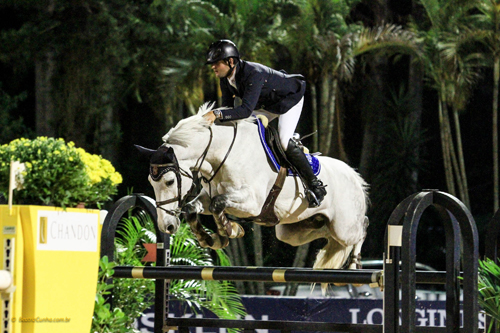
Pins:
<point x="316" y="190"/>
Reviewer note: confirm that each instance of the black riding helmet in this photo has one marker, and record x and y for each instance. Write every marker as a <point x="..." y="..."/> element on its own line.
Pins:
<point x="220" y="50"/>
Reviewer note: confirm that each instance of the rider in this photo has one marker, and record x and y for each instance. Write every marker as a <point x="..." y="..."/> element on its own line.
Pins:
<point x="267" y="91"/>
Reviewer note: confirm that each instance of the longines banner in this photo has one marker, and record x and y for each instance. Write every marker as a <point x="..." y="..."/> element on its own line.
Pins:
<point x="356" y="311"/>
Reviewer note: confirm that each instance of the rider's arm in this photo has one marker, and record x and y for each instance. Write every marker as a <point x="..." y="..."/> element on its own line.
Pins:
<point x="253" y="86"/>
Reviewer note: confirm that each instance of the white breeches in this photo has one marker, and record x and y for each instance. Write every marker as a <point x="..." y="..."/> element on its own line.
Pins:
<point x="287" y="122"/>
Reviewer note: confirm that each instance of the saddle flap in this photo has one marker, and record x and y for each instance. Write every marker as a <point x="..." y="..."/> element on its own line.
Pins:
<point x="270" y="141"/>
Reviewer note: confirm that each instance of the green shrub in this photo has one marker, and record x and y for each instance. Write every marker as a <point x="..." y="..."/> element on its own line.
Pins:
<point x="57" y="173"/>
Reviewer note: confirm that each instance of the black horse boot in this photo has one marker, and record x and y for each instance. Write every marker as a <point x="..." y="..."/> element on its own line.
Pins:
<point x="315" y="192"/>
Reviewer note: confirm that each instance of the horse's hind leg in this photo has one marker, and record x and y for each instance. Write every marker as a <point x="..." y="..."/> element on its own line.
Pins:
<point x="302" y="232"/>
<point x="356" y="253"/>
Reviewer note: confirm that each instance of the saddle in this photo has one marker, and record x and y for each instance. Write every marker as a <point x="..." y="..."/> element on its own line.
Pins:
<point x="270" y="141"/>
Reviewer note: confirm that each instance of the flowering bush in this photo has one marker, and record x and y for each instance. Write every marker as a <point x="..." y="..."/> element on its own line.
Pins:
<point x="58" y="173"/>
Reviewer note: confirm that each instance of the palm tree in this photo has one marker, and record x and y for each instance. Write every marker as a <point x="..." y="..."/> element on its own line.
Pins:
<point x="320" y="44"/>
<point x="486" y="26"/>
<point x="452" y="74"/>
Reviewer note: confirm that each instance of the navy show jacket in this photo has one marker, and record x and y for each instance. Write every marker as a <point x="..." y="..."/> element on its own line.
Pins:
<point x="260" y="87"/>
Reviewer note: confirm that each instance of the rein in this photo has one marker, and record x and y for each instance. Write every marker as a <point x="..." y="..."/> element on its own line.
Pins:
<point x="195" y="190"/>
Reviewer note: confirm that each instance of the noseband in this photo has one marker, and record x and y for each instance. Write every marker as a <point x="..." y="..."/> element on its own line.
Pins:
<point x="156" y="171"/>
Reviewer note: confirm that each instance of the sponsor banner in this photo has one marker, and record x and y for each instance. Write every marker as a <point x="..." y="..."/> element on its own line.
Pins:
<point x="355" y="311"/>
<point x="67" y="231"/>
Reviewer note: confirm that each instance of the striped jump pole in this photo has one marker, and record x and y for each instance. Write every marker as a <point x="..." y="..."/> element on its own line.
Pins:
<point x="261" y="274"/>
<point x="268" y="274"/>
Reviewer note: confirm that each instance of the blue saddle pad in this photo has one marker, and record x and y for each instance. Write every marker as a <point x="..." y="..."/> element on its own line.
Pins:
<point x="313" y="161"/>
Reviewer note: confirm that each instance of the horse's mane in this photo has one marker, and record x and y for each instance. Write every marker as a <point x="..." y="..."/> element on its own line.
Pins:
<point x="183" y="132"/>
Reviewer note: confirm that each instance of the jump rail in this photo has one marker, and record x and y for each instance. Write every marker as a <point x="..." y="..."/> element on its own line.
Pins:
<point x="399" y="265"/>
<point x="268" y="274"/>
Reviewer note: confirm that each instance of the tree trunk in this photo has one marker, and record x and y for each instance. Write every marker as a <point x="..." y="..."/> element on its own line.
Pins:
<point x="330" y="116"/>
<point x="461" y="162"/>
<point x="339" y="151"/>
<point x="450" y="184"/>
<point x="453" y="157"/>
<point x="323" y="115"/>
<point x="496" y="78"/>
<point x="314" y="102"/>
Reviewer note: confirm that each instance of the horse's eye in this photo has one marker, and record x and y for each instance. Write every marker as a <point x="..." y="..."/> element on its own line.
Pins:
<point x="169" y="182"/>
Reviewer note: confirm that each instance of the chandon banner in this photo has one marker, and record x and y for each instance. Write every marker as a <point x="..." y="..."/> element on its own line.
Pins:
<point x="367" y="311"/>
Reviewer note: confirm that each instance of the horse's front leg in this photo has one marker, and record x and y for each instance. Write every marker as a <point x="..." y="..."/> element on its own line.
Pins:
<point x="205" y="238"/>
<point x="237" y="200"/>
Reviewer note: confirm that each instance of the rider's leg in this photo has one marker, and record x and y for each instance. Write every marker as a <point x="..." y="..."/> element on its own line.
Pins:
<point x="286" y="127"/>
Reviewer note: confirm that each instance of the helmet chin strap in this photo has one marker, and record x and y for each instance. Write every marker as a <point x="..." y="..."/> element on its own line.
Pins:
<point x="231" y="69"/>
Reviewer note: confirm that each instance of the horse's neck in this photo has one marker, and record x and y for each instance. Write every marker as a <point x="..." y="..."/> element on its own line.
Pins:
<point x="221" y="145"/>
<point x="210" y="143"/>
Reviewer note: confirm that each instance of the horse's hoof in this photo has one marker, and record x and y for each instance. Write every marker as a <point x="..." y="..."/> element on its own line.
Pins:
<point x="219" y="242"/>
<point x="206" y="242"/>
<point x="237" y="230"/>
<point x="218" y="204"/>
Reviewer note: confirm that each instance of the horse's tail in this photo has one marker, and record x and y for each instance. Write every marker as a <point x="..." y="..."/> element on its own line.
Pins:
<point x="333" y="256"/>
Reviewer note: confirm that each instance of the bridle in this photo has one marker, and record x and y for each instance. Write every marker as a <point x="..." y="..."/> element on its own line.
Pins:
<point x="157" y="171"/>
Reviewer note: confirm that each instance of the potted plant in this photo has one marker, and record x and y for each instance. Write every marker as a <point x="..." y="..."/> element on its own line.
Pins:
<point x="57" y="173"/>
<point x="53" y="247"/>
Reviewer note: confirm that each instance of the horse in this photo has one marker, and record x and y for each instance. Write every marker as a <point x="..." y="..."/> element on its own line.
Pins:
<point x="222" y="170"/>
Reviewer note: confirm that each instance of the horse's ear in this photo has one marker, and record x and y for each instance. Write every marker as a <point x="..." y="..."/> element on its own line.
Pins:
<point x="145" y="151"/>
<point x="171" y="154"/>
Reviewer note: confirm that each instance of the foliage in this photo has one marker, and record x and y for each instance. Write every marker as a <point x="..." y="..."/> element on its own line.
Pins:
<point x="489" y="289"/>
<point x="220" y="297"/>
<point x="57" y="173"/>
<point x="400" y="158"/>
<point x="105" y="319"/>
<point x="132" y="296"/>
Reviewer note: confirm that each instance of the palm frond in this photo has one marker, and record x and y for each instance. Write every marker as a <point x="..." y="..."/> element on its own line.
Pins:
<point x="489" y="288"/>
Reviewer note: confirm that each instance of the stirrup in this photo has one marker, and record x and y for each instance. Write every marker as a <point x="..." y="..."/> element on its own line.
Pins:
<point x="313" y="200"/>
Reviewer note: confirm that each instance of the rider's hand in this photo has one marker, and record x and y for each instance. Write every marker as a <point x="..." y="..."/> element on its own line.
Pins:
<point x="210" y="117"/>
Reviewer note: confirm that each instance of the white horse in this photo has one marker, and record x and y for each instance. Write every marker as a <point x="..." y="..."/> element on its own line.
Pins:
<point x="238" y="178"/>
